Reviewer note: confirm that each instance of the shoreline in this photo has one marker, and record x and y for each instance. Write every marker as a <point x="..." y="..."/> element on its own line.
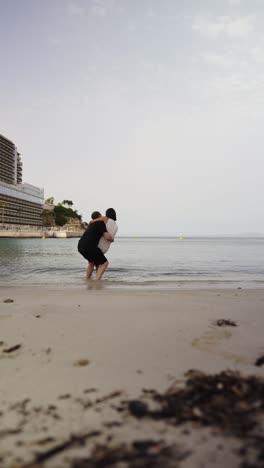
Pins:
<point x="76" y="355"/>
<point x="39" y="234"/>
<point x="132" y="287"/>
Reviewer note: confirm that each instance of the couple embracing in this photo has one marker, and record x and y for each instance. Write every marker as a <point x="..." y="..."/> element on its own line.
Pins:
<point x="96" y="240"/>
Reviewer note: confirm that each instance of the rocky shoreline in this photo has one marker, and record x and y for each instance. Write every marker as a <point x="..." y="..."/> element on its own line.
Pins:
<point x="42" y="233"/>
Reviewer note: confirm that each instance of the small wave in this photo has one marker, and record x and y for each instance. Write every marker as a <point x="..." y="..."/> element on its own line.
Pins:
<point x="119" y="270"/>
<point x="53" y="270"/>
<point x="185" y="273"/>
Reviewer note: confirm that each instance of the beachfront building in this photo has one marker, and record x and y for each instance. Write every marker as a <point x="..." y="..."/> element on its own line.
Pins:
<point x="19" y="203"/>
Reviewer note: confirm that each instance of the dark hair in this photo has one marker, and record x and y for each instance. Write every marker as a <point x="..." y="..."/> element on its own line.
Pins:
<point x="110" y="213"/>
<point x="95" y="215"/>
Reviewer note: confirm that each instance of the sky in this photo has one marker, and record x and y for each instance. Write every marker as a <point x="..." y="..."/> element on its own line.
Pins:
<point x="153" y="107"/>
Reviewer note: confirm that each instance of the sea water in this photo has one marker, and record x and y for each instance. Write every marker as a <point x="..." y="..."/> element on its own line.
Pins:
<point x="137" y="262"/>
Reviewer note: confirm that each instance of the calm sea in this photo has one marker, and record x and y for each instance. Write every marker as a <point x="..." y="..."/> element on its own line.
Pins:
<point x="137" y="262"/>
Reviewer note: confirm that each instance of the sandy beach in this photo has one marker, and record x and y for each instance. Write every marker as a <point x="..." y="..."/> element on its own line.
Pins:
<point x="69" y="360"/>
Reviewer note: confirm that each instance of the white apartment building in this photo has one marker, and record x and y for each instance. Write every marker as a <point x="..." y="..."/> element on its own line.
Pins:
<point x="19" y="203"/>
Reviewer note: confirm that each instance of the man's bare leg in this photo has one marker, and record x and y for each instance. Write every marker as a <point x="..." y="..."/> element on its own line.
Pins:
<point x="100" y="270"/>
<point x="89" y="270"/>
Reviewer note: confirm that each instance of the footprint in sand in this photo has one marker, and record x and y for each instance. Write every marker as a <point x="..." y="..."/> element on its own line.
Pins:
<point x="212" y="339"/>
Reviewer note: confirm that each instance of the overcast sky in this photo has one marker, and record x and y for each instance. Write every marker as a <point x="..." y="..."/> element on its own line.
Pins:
<point x="153" y="107"/>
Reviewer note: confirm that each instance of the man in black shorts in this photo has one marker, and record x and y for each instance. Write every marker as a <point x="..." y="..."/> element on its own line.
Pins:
<point x="87" y="246"/>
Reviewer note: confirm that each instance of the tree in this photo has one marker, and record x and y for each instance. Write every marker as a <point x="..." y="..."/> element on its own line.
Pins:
<point x="67" y="202"/>
<point x="62" y="214"/>
<point x="50" y="201"/>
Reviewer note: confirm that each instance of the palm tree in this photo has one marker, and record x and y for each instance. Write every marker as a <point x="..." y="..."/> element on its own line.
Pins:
<point x="67" y="202"/>
<point x="50" y="201"/>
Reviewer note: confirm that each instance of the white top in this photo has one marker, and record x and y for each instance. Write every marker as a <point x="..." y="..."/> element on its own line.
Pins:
<point x="112" y="228"/>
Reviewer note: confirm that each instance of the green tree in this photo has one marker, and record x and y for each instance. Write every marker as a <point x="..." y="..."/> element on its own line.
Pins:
<point x="67" y="202"/>
<point x="62" y="214"/>
<point x="50" y="201"/>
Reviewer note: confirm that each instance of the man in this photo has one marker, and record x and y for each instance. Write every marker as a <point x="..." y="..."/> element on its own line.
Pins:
<point x="96" y="215"/>
<point x="88" y="248"/>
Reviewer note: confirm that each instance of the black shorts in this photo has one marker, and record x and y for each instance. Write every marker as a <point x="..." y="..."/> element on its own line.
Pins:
<point x="94" y="255"/>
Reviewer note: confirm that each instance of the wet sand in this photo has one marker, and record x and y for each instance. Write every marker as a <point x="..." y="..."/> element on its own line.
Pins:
<point x="81" y="353"/>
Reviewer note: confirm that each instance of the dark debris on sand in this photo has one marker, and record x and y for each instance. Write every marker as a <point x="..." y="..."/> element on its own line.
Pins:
<point x="225" y="323"/>
<point x="255" y="444"/>
<point x="141" y="454"/>
<point x="226" y="400"/>
<point x="12" y="349"/>
<point x="259" y="361"/>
